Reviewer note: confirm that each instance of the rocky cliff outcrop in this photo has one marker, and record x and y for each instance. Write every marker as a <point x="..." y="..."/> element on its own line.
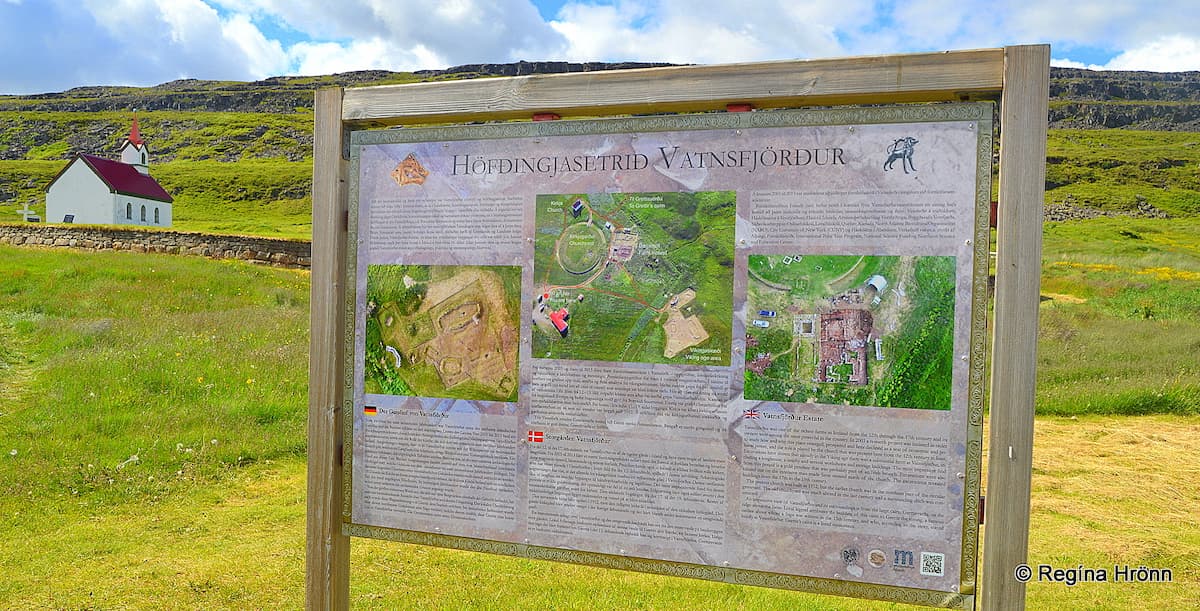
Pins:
<point x="1109" y="115"/>
<point x="1108" y="85"/>
<point x="1091" y="99"/>
<point x="1070" y="211"/>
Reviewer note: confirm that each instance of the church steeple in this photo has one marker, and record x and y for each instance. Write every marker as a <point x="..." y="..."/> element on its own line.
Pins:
<point x="134" y="135"/>
<point x="133" y="151"/>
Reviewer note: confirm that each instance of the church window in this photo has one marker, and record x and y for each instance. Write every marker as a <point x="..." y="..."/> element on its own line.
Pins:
<point x="143" y="214"/>
<point x="156" y="216"/>
<point x="128" y="211"/>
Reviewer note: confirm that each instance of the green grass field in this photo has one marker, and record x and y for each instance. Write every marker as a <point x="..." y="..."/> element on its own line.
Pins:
<point x="1120" y="317"/>
<point x="1114" y="169"/>
<point x="108" y="356"/>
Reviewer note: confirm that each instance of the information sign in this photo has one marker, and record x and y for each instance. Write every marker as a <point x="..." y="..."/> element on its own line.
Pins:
<point x="736" y="346"/>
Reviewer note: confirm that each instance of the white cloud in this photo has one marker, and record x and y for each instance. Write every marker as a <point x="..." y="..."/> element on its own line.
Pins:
<point x="929" y="23"/>
<point x="264" y="57"/>
<point x="408" y="35"/>
<point x="1067" y="63"/>
<point x="1175" y="53"/>
<point x="313" y="58"/>
<point x="458" y="31"/>
<point x="186" y="38"/>
<point x="1113" y="24"/>
<point x="706" y="31"/>
<point x="1080" y="22"/>
<point x="52" y="45"/>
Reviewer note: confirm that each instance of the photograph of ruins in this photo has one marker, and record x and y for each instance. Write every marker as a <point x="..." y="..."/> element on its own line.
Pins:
<point x="856" y="330"/>
<point x="448" y="331"/>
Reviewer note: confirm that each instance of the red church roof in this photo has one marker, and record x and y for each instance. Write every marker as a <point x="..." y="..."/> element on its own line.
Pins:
<point x="125" y="179"/>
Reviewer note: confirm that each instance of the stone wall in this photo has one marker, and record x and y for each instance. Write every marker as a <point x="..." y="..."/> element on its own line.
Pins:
<point x="268" y="251"/>
<point x="1069" y="210"/>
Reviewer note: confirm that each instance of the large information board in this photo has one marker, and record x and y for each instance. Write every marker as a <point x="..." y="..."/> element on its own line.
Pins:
<point x="736" y="346"/>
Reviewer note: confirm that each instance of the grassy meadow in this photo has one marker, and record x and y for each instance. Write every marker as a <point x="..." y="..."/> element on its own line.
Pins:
<point x="268" y="198"/>
<point x="1114" y="169"/>
<point x="152" y="421"/>
<point x="1120" y="317"/>
<point x="153" y="408"/>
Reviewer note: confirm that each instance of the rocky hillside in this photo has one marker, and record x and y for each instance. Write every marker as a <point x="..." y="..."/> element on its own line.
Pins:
<point x="1089" y="99"/>
<point x="173" y="135"/>
<point x="279" y="94"/>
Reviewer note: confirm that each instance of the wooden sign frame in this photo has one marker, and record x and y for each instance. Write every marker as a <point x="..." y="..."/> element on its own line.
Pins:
<point x="1017" y="76"/>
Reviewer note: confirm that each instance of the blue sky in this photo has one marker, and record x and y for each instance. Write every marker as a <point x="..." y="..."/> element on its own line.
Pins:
<point x="53" y="45"/>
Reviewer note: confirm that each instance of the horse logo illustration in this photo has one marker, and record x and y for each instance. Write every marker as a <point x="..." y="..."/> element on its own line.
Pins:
<point x="901" y="149"/>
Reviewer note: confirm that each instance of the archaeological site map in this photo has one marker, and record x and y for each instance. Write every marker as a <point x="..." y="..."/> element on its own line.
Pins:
<point x="645" y="277"/>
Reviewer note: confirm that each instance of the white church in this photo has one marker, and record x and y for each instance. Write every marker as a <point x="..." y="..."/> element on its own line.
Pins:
<point x="100" y="191"/>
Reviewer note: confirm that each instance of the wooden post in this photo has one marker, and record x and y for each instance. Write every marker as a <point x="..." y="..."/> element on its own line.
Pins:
<point x="327" y="572"/>
<point x="1024" y="112"/>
